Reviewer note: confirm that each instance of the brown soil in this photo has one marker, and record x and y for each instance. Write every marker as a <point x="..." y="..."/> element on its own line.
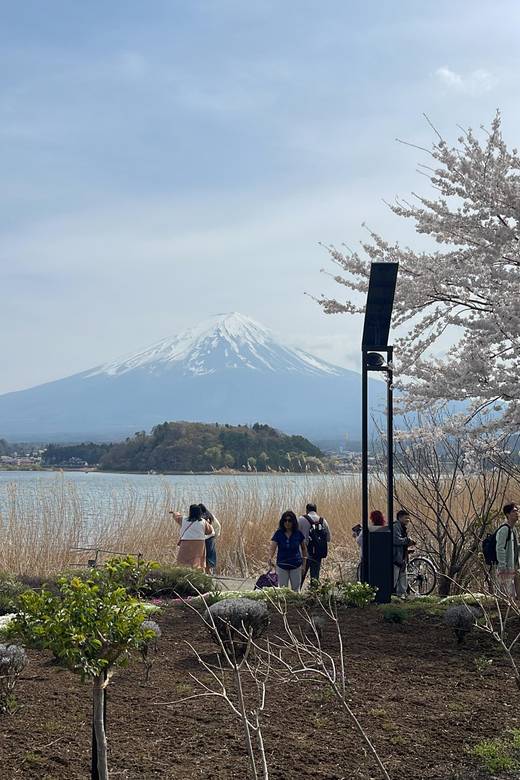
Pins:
<point x="415" y="691"/>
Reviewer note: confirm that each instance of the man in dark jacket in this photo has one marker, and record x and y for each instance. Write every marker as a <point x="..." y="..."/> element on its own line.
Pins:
<point x="401" y="543"/>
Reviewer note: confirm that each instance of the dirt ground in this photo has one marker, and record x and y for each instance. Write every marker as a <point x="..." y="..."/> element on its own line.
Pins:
<point x="419" y="695"/>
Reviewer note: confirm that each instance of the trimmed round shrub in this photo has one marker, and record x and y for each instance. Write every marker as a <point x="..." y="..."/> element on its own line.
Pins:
<point x="235" y="622"/>
<point x="461" y="618"/>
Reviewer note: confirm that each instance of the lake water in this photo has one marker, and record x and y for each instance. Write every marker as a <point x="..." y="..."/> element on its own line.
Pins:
<point x="101" y="483"/>
<point x="98" y="492"/>
<point x="47" y="514"/>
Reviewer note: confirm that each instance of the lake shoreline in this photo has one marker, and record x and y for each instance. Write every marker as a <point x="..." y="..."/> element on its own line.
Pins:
<point x="226" y="473"/>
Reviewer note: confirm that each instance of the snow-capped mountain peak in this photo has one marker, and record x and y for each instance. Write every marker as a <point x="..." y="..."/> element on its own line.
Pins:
<point x="221" y="342"/>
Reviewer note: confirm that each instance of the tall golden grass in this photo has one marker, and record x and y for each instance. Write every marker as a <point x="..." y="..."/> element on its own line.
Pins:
<point x="42" y="525"/>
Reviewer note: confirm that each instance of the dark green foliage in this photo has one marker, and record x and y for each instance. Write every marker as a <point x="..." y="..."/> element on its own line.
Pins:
<point x="128" y="571"/>
<point x="6" y="604"/>
<point x="140" y="579"/>
<point x="499" y="755"/>
<point x="176" y="582"/>
<point x="20" y="448"/>
<point x="5" y="448"/>
<point x="354" y="594"/>
<point x="393" y="613"/>
<point x="74" y="454"/>
<point x="183" y="446"/>
<point x="28" y="582"/>
<point x="10" y="588"/>
<point x="131" y="572"/>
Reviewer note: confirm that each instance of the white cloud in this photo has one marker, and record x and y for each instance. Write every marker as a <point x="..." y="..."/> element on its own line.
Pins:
<point x="476" y="81"/>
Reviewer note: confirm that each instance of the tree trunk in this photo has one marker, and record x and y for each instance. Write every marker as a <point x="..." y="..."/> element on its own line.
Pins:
<point x="444" y="585"/>
<point x="99" y="728"/>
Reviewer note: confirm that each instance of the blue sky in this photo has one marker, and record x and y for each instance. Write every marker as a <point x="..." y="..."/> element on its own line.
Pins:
<point x="165" y="161"/>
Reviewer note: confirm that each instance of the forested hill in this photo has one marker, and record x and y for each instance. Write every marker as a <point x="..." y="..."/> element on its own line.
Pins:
<point x="184" y="446"/>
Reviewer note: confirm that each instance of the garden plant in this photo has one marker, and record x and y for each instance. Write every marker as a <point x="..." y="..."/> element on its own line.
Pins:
<point x="90" y="628"/>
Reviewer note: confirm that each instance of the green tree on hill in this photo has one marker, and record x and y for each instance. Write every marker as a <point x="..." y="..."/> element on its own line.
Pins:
<point x="183" y="446"/>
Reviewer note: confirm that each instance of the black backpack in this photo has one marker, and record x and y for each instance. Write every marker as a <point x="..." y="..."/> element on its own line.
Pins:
<point x="489" y="545"/>
<point x="317" y="545"/>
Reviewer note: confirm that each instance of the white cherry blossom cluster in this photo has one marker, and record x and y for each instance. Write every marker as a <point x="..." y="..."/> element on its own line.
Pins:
<point x="469" y="288"/>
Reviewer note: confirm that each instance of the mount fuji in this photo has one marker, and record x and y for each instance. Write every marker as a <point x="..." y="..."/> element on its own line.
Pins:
<point x="227" y="369"/>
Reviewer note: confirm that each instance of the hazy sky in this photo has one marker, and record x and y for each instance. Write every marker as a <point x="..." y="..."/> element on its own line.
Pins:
<point x="165" y="161"/>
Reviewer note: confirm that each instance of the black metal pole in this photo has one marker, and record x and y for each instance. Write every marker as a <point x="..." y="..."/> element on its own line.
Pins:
<point x="364" y="467"/>
<point x="390" y="448"/>
<point x="378" y="313"/>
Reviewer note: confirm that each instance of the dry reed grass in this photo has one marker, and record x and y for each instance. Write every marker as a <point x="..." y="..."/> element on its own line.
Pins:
<point x="41" y="525"/>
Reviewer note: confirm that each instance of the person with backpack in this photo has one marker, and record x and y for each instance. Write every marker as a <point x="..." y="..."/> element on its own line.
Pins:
<point x="507" y="551"/>
<point x="317" y="537"/>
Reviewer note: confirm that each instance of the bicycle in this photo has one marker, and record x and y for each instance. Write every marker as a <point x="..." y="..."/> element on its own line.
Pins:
<point x="421" y="576"/>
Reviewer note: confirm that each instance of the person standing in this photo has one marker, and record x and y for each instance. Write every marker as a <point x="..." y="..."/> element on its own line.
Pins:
<point x="308" y="522"/>
<point x="192" y="545"/>
<point x="292" y="552"/>
<point x="211" y="552"/>
<point x="507" y="551"/>
<point x="377" y="520"/>
<point x="401" y="542"/>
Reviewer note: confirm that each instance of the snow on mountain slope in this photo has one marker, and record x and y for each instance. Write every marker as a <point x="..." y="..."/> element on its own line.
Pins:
<point x="228" y="369"/>
<point x="221" y="342"/>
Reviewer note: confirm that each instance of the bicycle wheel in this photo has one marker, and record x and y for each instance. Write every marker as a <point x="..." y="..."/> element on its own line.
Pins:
<point x="421" y="576"/>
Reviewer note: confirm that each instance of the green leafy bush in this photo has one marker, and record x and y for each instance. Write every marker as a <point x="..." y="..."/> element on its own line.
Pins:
<point x="140" y="578"/>
<point x="493" y="756"/>
<point x="89" y="627"/>
<point x="52" y="583"/>
<point x="393" y="613"/>
<point x="131" y="573"/>
<point x="176" y="582"/>
<point x="128" y="571"/>
<point x="514" y="742"/>
<point x="356" y="594"/>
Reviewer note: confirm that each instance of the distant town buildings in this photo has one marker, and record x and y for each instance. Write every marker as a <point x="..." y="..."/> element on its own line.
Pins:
<point x="19" y="460"/>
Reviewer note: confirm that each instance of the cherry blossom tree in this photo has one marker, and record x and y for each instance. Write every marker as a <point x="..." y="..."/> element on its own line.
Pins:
<point x="469" y="289"/>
